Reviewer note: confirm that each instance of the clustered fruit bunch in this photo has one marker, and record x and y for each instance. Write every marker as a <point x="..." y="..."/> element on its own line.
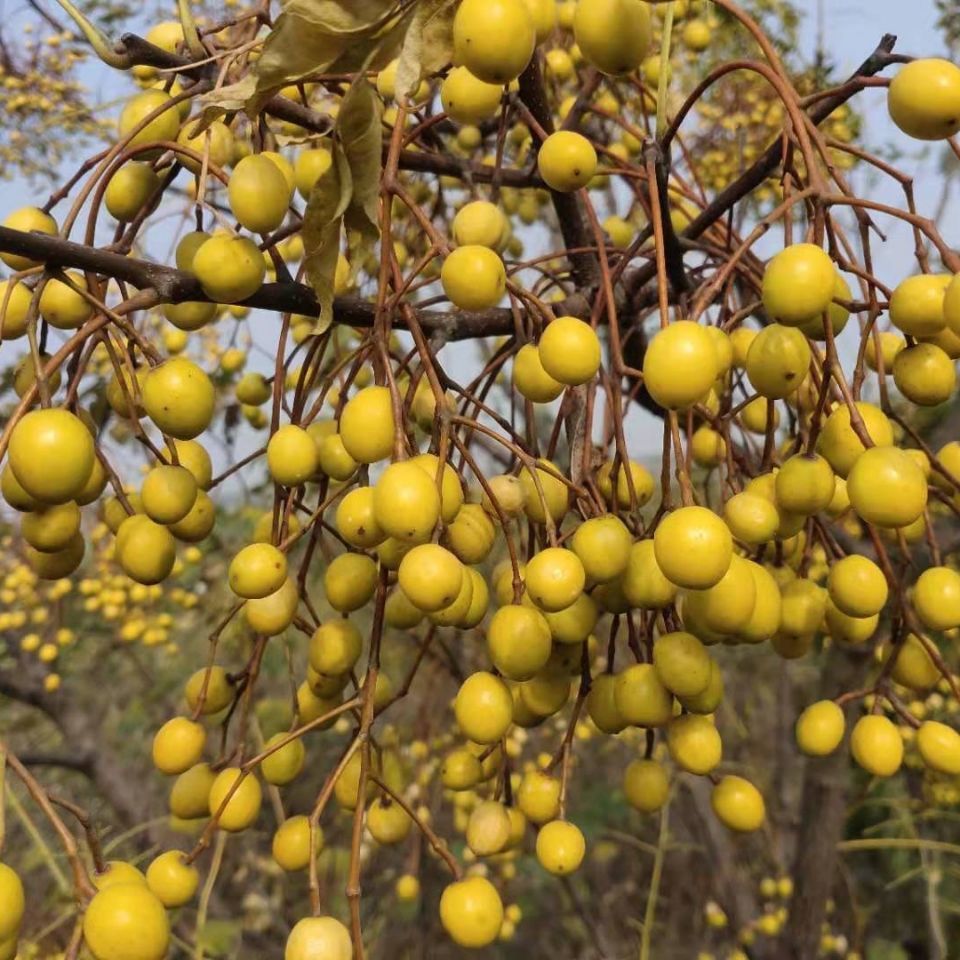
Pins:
<point x="485" y="501"/>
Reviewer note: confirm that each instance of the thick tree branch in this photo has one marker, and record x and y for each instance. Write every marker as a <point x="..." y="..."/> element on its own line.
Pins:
<point x="176" y="286"/>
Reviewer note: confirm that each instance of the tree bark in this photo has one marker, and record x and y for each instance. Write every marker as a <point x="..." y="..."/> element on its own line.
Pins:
<point x="823" y="814"/>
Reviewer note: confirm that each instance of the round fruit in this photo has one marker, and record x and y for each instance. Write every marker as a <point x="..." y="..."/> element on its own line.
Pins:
<point x="319" y="938"/>
<point x="217" y="693"/>
<point x="936" y="598"/>
<point x="820" y="728"/>
<point x="178" y="745"/>
<point x="468" y="99"/>
<point x="778" y="361"/>
<point x="488" y="828"/>
<point x="471" y="912"/>
<point x="544" y="493"/>
<point x="641" y="698"/>
<point x="259" y="194"/>
<point x="126" y="921"/>
<point x="168" y="493"/>
<point x="877" y="746"/>
<point x="603" y="546"/>
<point x="555" y="578"/>
<point x="292" y="456"/>
<point x="483" y="707"/>
<point x="430" y="576"/>
<point x="258" y="570"/>
<point x="14" y="306"/>
<point x="335" y="647"/>
<point x="560" y="847"/>
<point x="924" y="99"/>
<point x="52" y="528"/>
<point x="519" y="641"/>
<point x="283" y="766"/>
<point x="230" y="269"/>
<point x="406" y="502"/>
<point x="886" y="487"/>
<point x="43" y="437"/>
<point x="693" y="547"/>
<point x="738" y="804"/>
<point x="388" y="822"/>
<point x="643" y="582"/>
<point x="493" y="39"/>
<point x="366" y="429"/>
<point x="146" y="550"/>
<point x="798" y="284"/>
<point x="171" y="880"/>
<point x="857" y="586"/>
<point x="531" y="380"/>
<point x="129" y="189"/>
<point x="567" y="161"/>
<point x="179" y="398"/>
<point x="645" y="785"/>
<point x="925" y="375"/>
<point x="349" y="581"/>
<point x="29" y="220"/>
<point x="613" y="35"/>
<point x="682" y="663"/>
<point x="939" y="747"/>
<point x="64" y="307"/>
<point x="14" y="902"/>
<point x="805" y="484"/>
<point x="570" y="350"/>
<point x="473" y="277"/>
<point x="916" y="306"/>
<point x="727" y="606"/>
<point x="839" y="442"/>
<point x="680" y="365"/>
<point x="694" y="743"/>
<point x="243" y="806"/>
<point x="291" y="843"/>
<point x="165" y="126"/>
<point x="538" y="796"/>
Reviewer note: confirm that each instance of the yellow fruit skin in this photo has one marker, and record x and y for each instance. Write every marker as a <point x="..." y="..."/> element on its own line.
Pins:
<point x="567" y="161"/>
<point x="570" y="350"/>
<point x="367" y="426"/>
<point x="473" y="277"/>
<point x="876" y="746"/>
<point x="924" y="99"/>
<point x="468" y="99"/>
<point x="28" y="219"/>
<point x="230" y="269"/>
<point x="819" y="729"/>
<point x="646" y="785"/>
<point x="178" y="745"/>
<point x="560" y="847"/>
<point x="164" y="127"/>
<point x="530" y="378"/>
<point x="613" y="35"/>
<point x="291" y="843"/>
<point x="641" y="699"/>
<point x="171" y="880"/>
<point x="838" y="441"/>
<point x="916" y="306"/>
<point x="886" y="487"/>
<point x="939" y="747"/>
<point x="798" y="284"/>
<point x="126" y="922"/>
<point x="14" y="903"/>
<point x="259" y="194"/>
<point x="693" y="547"/>
<point x="43" y="437"/>
<point x="694" y="744"/>
<point x="471" y="912"/>
<point x="319" y="938"/>
<point x="179" y="398"/>
<point x="680" y="365"/>
<point x="936" y="598"/>
<point x="738" y="804"/>
<point x="494" y="39"/>
<point x="244" y="804"/>
<point x="483" y="707"/>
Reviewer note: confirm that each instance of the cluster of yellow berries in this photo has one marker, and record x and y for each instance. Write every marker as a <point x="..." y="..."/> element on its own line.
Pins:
<point x="408" y="538"/>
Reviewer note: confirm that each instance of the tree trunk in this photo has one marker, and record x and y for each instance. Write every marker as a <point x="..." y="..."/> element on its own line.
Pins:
<point x="823" y="814"/>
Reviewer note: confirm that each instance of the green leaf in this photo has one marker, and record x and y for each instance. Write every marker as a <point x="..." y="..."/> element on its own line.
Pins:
<point x="427" y="46"/>
<point x="294" y="49"/>
<point x="322" y="222"/>
<point x="361" y="134"/>
<point x="229" y="99"/>
<point x="342" y="16"/>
